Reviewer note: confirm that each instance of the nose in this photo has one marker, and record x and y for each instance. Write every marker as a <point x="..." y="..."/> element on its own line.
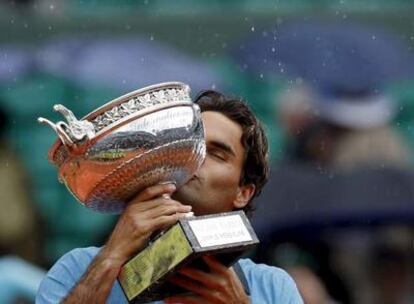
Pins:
<point x="197" y="173"/>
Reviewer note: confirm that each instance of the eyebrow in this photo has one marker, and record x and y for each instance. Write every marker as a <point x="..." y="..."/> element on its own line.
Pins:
<point x="222" y="146"/>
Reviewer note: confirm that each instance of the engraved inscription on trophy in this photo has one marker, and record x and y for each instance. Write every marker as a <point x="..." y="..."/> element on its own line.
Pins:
<point x="217" y="231"/>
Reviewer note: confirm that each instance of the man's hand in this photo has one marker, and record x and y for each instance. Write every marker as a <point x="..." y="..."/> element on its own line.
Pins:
<point x="219" y="285"/>
<point x="150" y="211"/>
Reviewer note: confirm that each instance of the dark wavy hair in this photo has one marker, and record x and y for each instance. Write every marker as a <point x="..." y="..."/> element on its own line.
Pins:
<point x="256" y="164"/>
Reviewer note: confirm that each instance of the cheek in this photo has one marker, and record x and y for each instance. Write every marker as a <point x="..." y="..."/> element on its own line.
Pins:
<point x="222" y="175"/>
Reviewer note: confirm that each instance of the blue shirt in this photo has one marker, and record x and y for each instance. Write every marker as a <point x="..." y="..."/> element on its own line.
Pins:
<point x="267" y="284"/>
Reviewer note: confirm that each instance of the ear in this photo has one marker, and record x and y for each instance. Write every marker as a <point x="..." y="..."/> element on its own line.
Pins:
<point x="244" y="194"/>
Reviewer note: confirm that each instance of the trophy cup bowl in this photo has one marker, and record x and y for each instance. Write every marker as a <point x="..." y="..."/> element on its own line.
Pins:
<point x="149" y="136"/>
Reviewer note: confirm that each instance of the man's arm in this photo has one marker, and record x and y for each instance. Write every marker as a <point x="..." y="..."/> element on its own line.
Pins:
<point x="97" y="282"/>
<point x="144" y="215"/>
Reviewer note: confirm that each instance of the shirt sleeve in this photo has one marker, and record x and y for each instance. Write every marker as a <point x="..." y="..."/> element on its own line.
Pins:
<point x="270" y="285"/>
<point x="63" y="276"/>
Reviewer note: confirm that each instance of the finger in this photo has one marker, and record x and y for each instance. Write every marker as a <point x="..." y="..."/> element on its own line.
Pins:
<point x="215" y="265"/>
<point x="144" y="206"/>
<point x="190" y="285"/>
<point x="168" y="207"/>
<point x="207" y="279"/>
<point x="153" y="192"/>
<point x="166" y="220"/>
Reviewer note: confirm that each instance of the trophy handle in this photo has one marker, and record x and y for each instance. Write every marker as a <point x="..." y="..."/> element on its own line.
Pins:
<point x="73" y="131"/>
<point x="59" y="129"/>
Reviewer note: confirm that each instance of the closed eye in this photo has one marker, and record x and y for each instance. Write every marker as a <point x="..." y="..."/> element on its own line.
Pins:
<point x="220" y="151"/>
<point x="218" y="154"/>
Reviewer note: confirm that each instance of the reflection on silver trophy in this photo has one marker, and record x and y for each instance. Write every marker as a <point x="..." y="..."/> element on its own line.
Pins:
<point x="149" y="136"/>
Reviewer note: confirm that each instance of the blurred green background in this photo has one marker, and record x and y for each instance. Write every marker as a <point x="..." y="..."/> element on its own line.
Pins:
<point x="203" y="29"/>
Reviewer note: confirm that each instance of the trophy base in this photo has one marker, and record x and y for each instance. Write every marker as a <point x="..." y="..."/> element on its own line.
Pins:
<point x="224" y="235"/>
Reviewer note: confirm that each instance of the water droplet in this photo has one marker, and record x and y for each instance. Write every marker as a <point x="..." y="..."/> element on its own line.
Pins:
<point x="252" y="28"/>
<point x="299" y="80"/>
<point x="373" y="37"/>
<point x="273" y="49"/>
<point x="152" y="38"/>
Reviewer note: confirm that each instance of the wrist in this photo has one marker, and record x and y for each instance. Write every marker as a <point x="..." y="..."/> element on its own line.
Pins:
<point x="111" y="259"/>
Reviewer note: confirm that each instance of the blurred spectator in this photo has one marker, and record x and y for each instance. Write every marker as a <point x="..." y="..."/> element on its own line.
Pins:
<point x="20" y="232"/>
<point x="391" y="268"/>
<point x="300" y="265"/>
<point x="390" y="275"/>
<point x="336" y="111"/>
<point x="310" y="286"/>
<point x="338" y="137"/>
<point x="19" y="280"/>
<point x="19" y="224"/>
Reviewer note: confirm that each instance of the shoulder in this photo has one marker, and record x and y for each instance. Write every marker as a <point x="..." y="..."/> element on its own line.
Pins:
<point x="64" y="274"/>
<point x="269" y="284"/>
<point x="74" y="263"/>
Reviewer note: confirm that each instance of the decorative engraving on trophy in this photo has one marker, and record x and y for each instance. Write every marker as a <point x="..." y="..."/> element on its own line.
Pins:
<point x="138" y="103"/>
<point x="179" y="117"/>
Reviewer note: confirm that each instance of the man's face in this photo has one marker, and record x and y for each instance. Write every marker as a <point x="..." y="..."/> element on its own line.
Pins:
<point x="215" y="187"/>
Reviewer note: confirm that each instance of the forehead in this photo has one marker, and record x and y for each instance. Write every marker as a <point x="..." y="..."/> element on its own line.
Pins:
<point x="220" y="128"/>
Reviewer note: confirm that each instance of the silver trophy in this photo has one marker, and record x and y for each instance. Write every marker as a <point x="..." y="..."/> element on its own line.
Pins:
<point x="149" y="136"/>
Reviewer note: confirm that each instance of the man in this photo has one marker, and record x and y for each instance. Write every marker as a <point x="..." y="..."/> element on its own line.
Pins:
<point x="234" y="171"/>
